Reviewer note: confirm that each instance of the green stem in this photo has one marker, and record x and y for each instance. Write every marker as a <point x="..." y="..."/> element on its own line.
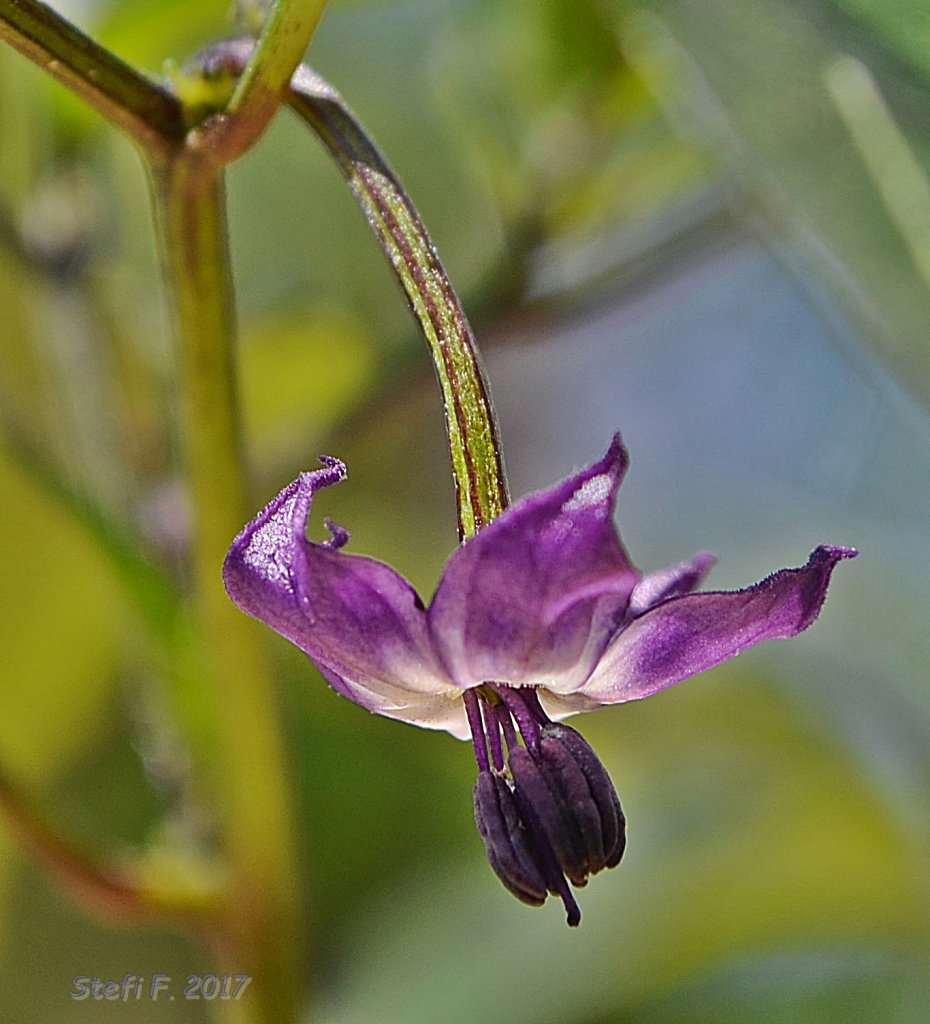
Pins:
<point x="281" y="46"/>
<point x="148" y="113"/>
<point x="262" y="81"/>
<point x="480" y="485"/>
<point x="260" y="929"/>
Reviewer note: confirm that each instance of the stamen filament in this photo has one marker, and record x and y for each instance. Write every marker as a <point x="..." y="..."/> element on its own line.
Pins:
<point x="506" y="723"/>
<point x="478" y="738"/>
<point x="493" y="730"/>
<point x="515" y="699"/>
<point x="531" y="695"/>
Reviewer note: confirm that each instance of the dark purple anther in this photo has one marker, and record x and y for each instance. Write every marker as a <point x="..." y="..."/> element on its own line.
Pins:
<point x="508" y="843"/>
<point x="551" y="816"/>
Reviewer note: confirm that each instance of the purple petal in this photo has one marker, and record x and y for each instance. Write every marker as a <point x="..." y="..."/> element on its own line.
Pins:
<point x="537" y="594"/>
<point x="688" y="634"/>
<point x="671" y="582"/>
<point x="360" y="621"/>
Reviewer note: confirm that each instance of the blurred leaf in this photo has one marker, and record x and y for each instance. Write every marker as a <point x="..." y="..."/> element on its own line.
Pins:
<point x="571" y="144"/>
<point x="283" y="404"/>
<point x="59" y="633"/>
<point x="851" y="983"/>
<point x="903" y="25"/>
<point x="383" y="804"/>
<point x="25" y="141"/>
<point x="145" y="33"/>
<point x="52" y="942"/>
<point x="748" y="82"/>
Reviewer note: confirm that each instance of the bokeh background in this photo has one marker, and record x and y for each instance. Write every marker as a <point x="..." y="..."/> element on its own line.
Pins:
<point x="706" y="225"/>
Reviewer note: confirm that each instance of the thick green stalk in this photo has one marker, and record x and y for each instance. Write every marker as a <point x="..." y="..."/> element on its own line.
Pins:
<point x="481" y="489"/>
<point x="144" y="110"/>
<point x="259" y="931"/>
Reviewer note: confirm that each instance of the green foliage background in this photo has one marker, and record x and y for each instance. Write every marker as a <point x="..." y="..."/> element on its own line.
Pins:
<point x="659" y="221"/>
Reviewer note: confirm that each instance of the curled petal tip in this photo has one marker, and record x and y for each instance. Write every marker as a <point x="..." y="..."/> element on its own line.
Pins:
<point x="833" y="553"/>
<point x="329" y="460"/>
<point x="333" y="472"/>
<point x="617" y="458"/>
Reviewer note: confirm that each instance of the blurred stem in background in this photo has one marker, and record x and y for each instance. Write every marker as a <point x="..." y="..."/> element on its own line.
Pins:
<point x="244" y="757"/>
<point x="889" y="159"/>
<point x="256" y="926"/>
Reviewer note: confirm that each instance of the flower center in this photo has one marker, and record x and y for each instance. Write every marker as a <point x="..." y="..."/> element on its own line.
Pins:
<point x="544" y="804"/>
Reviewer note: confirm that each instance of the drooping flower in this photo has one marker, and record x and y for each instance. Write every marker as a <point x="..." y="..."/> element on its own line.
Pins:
<point x="539" y="616"/>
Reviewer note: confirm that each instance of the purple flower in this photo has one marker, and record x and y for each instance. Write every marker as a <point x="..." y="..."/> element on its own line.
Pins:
<point x="539" y="616"/>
